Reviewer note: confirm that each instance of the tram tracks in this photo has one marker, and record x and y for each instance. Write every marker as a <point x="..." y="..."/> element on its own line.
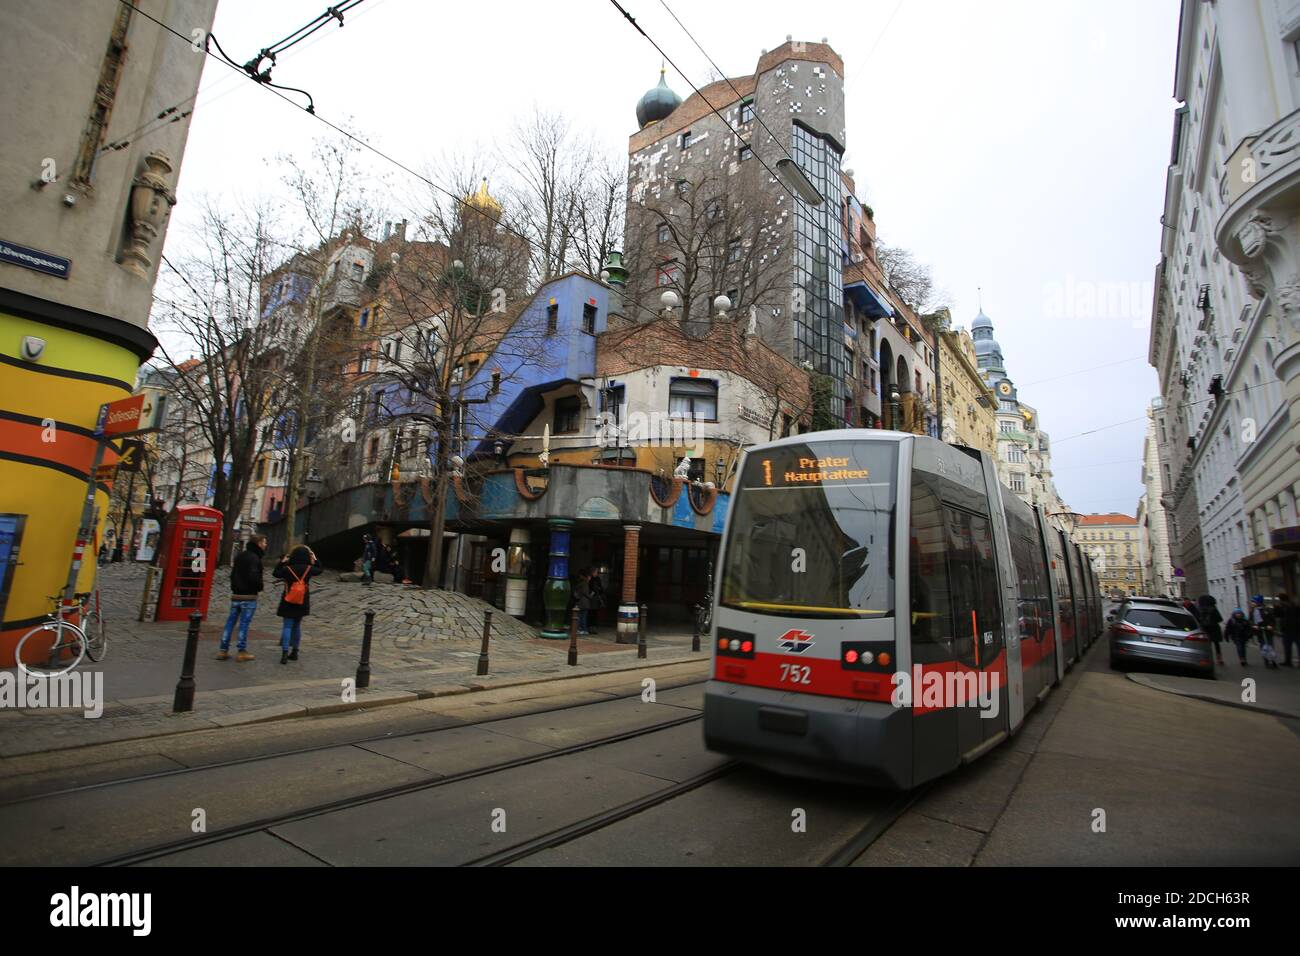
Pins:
<point x="317" y="748"/>
<point x="431" y="782"/>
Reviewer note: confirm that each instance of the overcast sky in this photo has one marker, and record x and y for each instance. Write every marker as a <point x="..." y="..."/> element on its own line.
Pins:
<point x="1017" y="147"/>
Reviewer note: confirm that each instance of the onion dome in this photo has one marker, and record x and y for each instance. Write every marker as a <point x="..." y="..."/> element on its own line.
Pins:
<point x="657" y="104"/>
<point x="482" y="201"/>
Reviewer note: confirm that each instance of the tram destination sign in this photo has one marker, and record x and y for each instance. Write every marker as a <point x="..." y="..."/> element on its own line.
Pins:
<point x="794" y="470"/>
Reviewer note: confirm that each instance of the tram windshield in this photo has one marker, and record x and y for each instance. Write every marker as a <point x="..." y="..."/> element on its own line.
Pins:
<point x="812" y="531"/>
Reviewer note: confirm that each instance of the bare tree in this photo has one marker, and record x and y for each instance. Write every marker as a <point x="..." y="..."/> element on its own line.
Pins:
<point x="211" y="300"/>
<point x="910" y="278"/>
<point x="459" y="301"/>
<point x="564" y="195"/>
<point x="331" y="197"/>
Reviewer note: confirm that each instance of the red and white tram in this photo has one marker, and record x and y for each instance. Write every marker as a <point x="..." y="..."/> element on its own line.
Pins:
<point x="886" y="610"/>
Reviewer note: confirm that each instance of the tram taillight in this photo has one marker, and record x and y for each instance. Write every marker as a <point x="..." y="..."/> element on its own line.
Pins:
<point x="733" y="643"/>
<point x="863" y="656"/>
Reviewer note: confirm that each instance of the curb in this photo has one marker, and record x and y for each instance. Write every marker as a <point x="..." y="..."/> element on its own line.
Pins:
<point x="1211" y="699"/>
<point x="380" y="698"/>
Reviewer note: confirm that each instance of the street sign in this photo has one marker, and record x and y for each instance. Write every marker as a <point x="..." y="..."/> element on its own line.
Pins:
<point x="132" y="455"/>
<point x="141" y="412"/>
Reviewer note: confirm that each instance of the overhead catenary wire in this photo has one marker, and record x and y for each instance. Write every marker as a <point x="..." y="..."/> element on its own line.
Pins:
<point x="370" y="147"/>
<point x="172" y="114"/>
<point x="715" y="66"/>
<point x="463" y="201"/>
<point x="632" y="20"/>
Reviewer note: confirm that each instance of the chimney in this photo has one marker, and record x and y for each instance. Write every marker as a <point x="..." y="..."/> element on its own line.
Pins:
<point x="388" y="231"/>
<point x="400" y="230"/>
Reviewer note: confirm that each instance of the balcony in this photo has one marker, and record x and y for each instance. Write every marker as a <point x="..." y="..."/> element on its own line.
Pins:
<point x="1260" y="189"/>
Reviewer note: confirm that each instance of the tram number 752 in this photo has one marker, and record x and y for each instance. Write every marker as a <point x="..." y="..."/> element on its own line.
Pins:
<point x="796" y="673"/>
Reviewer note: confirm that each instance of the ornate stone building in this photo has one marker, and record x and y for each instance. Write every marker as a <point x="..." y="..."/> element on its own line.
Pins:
<point x="1024" y="449"/>
<point x="966" y="401"/>
<point x="1225" y="338"/>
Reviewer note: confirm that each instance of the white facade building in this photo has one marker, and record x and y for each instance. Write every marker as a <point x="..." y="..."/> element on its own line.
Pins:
<point x="1222" y="348"/>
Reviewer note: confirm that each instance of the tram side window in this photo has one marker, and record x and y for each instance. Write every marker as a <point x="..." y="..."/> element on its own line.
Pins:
<point x="973" y="572"/>
<point x="931" y="609"/>
<point x="1031" y="599"/>
<point x="990" y="602"/>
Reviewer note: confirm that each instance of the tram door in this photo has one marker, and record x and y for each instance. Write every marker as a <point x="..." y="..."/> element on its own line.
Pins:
<point x="977" y="622"/>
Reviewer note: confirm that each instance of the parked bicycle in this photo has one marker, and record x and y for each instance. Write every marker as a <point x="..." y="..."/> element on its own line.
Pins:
<point x="92" y="625"/>
<point x="63" y="643"/>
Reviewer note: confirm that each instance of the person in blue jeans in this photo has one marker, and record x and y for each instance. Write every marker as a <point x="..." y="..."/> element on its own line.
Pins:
<point x="296" y="570"/>
<point x="245" y="587"/>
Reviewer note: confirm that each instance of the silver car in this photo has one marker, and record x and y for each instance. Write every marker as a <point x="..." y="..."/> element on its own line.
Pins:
<point x="1155" y="633"/>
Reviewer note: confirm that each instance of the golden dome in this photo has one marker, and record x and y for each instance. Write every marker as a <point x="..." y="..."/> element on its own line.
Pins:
<point x="482" y="201"/>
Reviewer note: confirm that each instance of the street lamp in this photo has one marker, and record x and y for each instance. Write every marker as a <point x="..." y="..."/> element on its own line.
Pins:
<point x="313" y="483"/>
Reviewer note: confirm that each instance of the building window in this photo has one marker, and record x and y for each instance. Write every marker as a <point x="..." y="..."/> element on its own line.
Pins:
<point x="693" y="398"/>
<point x="1018" y="483"/>
<point x="261" y="469"/>
<point x="686" y="140"/>
<point x="552" y="317"/>
<point x="358" y="272"/>
<point x="733" y="250"/>
<point x="1016" y="456"/>
<point x="669" y="273"/>
<point x="744" y="153"/>
<point x="589" y="318"/>
<point x="747" y="112"/>
<point x="1006" y="428"/>
<point x="567" y="414"/>
<point x="364" y="319"/>
<point x="372" y="453"/>
<point x="665" y="234"/>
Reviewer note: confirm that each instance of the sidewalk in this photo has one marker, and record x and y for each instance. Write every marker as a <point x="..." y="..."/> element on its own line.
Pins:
<point x="1275" y="692"/>
<point x="1175" y="781"/>
<point x="425" y="644"/>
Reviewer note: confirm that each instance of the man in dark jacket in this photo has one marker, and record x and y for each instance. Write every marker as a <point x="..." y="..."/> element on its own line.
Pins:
<point x="245" y="586"/>
<point x="1288" y="623"/>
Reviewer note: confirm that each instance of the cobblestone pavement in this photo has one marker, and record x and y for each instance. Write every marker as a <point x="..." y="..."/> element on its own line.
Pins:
<point x="425" y="643"/>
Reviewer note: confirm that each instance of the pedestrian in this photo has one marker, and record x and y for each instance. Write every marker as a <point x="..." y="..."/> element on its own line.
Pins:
<point x="1210" y="619"/>
<point x="582" y="594"/>
<point x="1288" y="624"/>
<point x="1237" y="630"/>
<point x="295" y="569"/>
<point x="1261" y="619"/>
<point x="245" y="586"/>
<point x="597" y="587"/>
<point x="368" y="555"/>
<point x="1190" y="607"/>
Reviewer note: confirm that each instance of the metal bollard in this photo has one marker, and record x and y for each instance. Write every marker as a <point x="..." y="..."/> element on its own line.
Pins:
<point x="483" y="654"/>
<point x="573" y="638"/>
<point x="699" y="620"/>
<point x="183" y="702"/>
<point x="363" y="669"/>
<point x="640" y="633"/>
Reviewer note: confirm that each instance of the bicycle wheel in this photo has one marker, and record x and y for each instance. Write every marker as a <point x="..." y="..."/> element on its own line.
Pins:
<point x="92" y="625"/>
<point x="58" y="644"/>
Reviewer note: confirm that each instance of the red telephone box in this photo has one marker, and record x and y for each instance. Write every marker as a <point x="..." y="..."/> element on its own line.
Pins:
<point x="191" y="543"/>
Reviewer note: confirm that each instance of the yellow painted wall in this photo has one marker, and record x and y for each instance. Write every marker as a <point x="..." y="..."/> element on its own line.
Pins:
<point x="50" y="389"/>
